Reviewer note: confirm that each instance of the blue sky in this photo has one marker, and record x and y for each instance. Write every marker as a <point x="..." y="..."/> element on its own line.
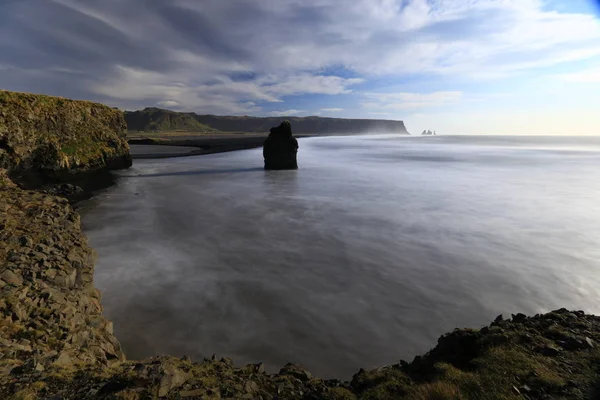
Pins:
<point x="456" y="66"/>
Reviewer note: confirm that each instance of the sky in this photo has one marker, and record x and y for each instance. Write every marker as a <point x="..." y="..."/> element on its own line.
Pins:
<point x="454" y="66"/>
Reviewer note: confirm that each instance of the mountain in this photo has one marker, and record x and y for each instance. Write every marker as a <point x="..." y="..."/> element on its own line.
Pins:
<point x="155" y="119"/>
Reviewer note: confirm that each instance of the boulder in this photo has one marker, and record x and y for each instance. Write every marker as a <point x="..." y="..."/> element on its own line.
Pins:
<point x="281" y="148"/>
<point x="11" y="278"/>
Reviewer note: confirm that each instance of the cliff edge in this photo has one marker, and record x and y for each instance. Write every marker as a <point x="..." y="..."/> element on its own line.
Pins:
<point x="56" y="138"/>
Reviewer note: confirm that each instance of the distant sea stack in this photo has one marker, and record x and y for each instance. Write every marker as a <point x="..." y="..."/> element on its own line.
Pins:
<point x="281" y="148"/>
<point x="155" y="119"/>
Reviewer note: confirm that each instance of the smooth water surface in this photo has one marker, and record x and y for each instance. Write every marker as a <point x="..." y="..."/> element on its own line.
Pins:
<point x="365" y="255"/>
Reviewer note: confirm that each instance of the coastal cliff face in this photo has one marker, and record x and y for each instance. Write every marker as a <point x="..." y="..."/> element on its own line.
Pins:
<point x="58" y="138"/>
<point x="55" y="343"/>
<point x="50" y="308"/>
<point x="155" y="119"/>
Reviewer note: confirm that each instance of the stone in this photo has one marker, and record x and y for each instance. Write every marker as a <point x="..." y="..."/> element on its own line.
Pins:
<point x="72" y="278"/>
<point x="251" y="387"/>
<point x="280" y="149"/>
<point x="25" y="241"/>
<point x="63" y="360"/>
<point x="15" y="256"/>
<point x="39" y="256"/>
<point x="19" y="313"/>
<point x="295" y="371"/>
<point x="525" y="389"/>
<point x="590" y="343"/>
<point x="227" y="361"/>
<point x="192" y="393"/>
<point x="260" y="368"/>
<point x="62" y="281"/>
<point x="518" y="318"/>
<point x="172" y="378"/>
<point x="109" y="327"/>
<point x="11" y="278"/>
<point x="549" y="350"/>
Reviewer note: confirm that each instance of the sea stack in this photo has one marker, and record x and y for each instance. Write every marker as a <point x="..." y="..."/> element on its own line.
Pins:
<point x="281" y="148"/>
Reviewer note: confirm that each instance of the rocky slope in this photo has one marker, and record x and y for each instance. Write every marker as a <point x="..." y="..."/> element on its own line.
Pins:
<point x="153" y="119"/>
<point x="55" y="343"/>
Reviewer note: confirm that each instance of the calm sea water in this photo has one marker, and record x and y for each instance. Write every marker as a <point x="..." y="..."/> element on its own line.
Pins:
<point x="369" y="252"/>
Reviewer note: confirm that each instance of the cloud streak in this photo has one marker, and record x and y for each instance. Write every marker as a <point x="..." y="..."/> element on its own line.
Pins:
<point x="410" y="101"/>
<point x="244" y="56"/>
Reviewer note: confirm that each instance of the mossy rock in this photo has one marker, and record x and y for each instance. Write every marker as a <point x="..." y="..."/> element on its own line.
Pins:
<point x="58" y="136"/>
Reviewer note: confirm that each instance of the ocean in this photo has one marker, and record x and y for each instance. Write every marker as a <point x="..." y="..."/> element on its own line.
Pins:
<point x="364" y="256"/>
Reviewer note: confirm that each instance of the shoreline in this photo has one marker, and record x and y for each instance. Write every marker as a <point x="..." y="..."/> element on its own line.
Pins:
<point x="197" y="145"/>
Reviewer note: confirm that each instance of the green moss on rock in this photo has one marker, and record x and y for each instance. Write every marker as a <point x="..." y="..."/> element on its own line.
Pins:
<point x="57" y="136"/>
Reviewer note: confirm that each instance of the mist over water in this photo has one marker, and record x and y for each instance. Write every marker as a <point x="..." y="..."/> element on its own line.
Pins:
<point x="369" y="252"/>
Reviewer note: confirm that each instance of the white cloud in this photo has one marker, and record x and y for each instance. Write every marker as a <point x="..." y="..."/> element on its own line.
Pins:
<point x="380" y="114"/>
<point x="591" y="75"/>
<point x="332" y="110"/>
<point x="410" y="101"/>
<point x="222" y="93"/>
<point x="168" y="103"/>
<point x="286" y="113"/>
<point x="435" y="36"/>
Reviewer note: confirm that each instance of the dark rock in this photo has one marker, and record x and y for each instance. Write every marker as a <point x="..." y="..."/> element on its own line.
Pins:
<point x="550" y="351"/>
<point x="192" y="393"/>
<point x="519" y="318"/>
<point x="15" y="256"/>
<point x="525" y="389"/>
<point x="281" y="148"/>
<point x="295" y="371"/>
<point x="258" y="368"/>
<point x="66" y="190"/>
<point x="25" y="241"/>
<point x="227" y="361"/>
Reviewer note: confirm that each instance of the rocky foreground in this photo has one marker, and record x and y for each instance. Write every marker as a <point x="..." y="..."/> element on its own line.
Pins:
<point x="55" y="343"/>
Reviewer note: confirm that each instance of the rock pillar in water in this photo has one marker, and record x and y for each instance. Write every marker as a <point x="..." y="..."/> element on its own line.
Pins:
<point x="281" y="148"/>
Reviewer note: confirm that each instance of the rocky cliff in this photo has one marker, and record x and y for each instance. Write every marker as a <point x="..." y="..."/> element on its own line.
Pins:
<point x="57" y="138"/>
<point x="55" y="343"/>
<point x="152" y="119"/>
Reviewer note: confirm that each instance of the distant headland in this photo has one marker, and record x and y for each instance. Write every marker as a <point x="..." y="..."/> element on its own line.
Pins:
<point x="159" y="120"/>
